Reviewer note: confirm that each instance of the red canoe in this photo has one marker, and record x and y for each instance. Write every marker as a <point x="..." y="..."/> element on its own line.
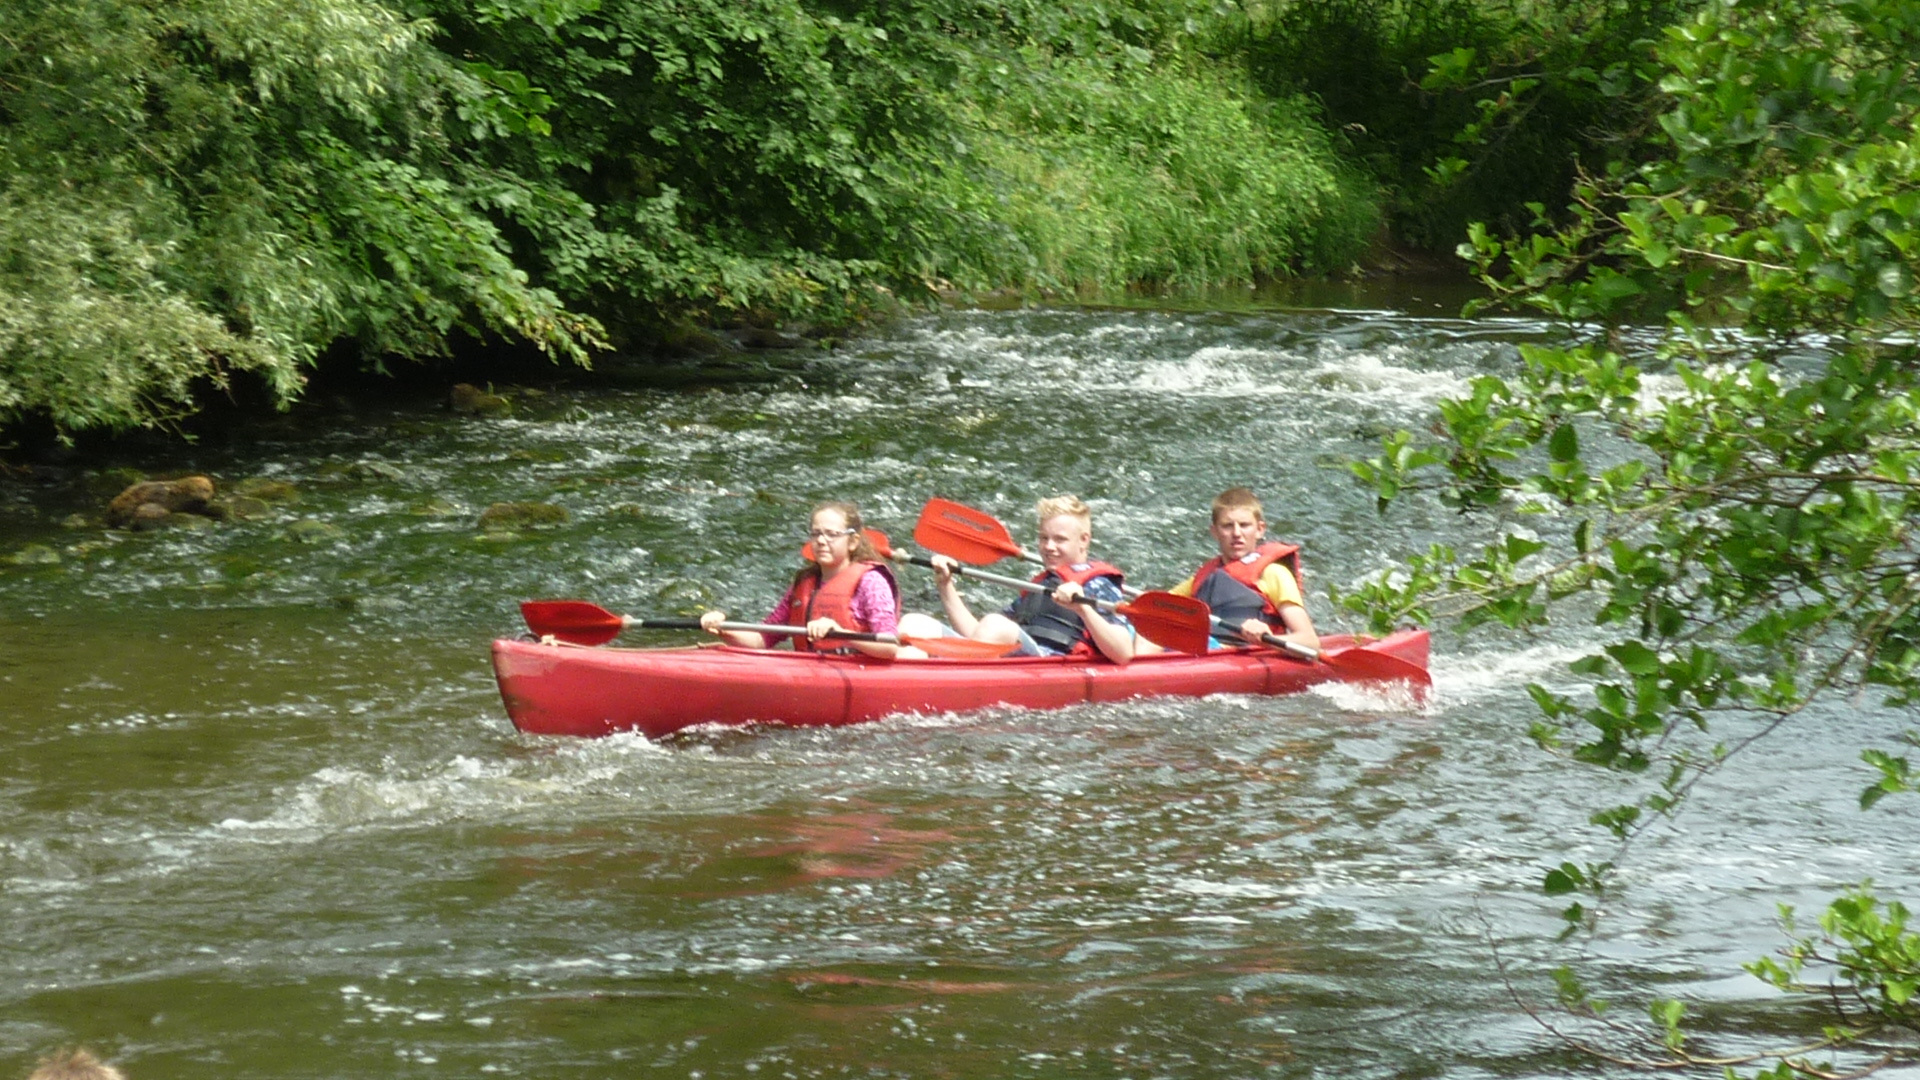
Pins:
<point x="570" y="690"/>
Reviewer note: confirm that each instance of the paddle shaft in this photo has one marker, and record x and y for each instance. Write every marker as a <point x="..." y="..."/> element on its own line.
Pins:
<point x="1224" y="628"/>
<point x="1010" y="582"/>
<point x="760" y="628"/>
<point x="1220" y="626"/>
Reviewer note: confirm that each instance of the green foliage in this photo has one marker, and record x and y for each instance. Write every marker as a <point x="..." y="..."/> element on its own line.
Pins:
<point x="1869" y="958"/>
<point x="779" y="157"/>
<point x="190" y="188"/>
<point x="1735" y="511"/>
<point x="197" y="187"/>
<point x="1896" y="774"/>
<point x="1216" y="194"/>
<point x="1467" y="109"/>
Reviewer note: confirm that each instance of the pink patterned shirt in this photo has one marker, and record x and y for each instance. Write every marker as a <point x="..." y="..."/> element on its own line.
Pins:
<point x="872" y="603"/>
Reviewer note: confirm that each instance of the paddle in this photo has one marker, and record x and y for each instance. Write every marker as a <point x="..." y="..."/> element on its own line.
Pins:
<point x="973" y="536"/>
<point x="1354" y="665"/>
<point x="969" y="535"/>
<point x="581" y="623"/>
<point x="1174" y="622"/>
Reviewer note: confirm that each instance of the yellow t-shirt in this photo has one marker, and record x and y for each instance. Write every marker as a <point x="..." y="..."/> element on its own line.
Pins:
<point x="1277" y="584"/>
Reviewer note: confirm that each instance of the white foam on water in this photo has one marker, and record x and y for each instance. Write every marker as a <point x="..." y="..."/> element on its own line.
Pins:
<point x="1216" y="371"/>
<point x="339" y="799"/>
<point x="1466" y="679"/>
<point x="1390" y="374"/>
<point x="1377" y="697"/>
<point x="1244" y="890"/>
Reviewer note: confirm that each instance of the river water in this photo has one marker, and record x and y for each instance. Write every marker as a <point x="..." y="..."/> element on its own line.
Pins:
<point x="262" y="814"/>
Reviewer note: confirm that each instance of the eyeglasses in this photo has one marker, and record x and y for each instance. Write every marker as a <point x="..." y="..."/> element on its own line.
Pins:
<point x="824" y="535"/>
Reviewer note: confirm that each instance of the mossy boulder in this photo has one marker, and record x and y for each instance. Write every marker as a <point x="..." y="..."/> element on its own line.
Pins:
<point x="312" y="531"/>
<point x="761" y="337"/>
<point x="35" y="555"/>
<point x="366" y="469"/>
<point x="267" y="489"/>
<point x="151" y="503"/>
<point x="435" y="508"/>
<point x="239" y="507"/>
<point x="521" y="515"/>
<point x="469" y="400"/>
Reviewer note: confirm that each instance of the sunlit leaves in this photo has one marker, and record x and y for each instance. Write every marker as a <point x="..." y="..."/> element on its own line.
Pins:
<point x="1740" y="524"/>
<point x="198" y="187"/>
<point x="1896" y="774"/>
<point x="1864" y="946"/>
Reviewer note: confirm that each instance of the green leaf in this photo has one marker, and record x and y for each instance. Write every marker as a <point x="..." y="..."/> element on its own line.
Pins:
<point x="1564" y="445"/>
<point x="1635" y="658"/>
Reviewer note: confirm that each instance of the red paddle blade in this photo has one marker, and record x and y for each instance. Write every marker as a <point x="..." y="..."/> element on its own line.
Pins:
<point x="963" y="533"/>
<point x="1179" y="623"/>
<point x="1363" y="666"/>
<point x="574" y="621"/>
<point x="959" y="648"/>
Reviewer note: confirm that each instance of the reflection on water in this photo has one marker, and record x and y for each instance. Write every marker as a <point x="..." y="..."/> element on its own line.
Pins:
<point x="262" y="813"/>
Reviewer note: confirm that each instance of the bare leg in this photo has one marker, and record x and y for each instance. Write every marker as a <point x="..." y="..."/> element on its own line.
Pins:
<point x="914" y="624"/>
<point x="998" y="629"/>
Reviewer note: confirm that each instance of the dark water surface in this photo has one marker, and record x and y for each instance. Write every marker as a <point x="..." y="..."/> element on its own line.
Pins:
<point x="262" y="814"/>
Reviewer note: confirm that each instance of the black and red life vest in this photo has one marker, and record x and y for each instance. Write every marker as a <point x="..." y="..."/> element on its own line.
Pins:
<point x="1057" y="626"/>
<point x="1234" y="595"/>
<point x="811" y="600"/>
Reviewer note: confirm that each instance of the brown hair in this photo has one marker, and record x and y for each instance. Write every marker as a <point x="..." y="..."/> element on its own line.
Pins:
<point x="75" y="1065"/>
<point x="859" y="548"/>
<point x="1238" y="498"/>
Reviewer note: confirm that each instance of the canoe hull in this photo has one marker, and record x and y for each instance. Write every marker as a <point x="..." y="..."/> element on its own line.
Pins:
<point x="568" y="690"/>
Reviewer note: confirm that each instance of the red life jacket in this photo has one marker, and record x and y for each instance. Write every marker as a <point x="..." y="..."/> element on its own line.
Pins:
<point x="810" y="600"/>
<point x="1058" y="626"/>
<point x="1235" y="595"/>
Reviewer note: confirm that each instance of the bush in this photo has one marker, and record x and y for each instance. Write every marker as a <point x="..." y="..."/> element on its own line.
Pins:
<point x="1467" y="110"/>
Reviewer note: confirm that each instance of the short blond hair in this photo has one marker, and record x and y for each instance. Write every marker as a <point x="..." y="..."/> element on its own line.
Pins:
<point x="1238" y="498"/>
<point x="75" y="1065"/>
<point x="1063" y="506"/>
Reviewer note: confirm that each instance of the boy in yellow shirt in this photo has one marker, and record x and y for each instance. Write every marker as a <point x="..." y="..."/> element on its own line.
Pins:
<point x="1252" y="585"/>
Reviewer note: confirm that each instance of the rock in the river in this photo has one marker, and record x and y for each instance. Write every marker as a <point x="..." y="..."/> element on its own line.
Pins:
<point x="35" y="555"/>
<point x="310" y="531"/>
<point x="239" y="507"/>
<point x="435" y="508"/>
<point x="518" y="515"/>
<point x="148" y="517"/>
<point x="470" y="400"/>
<point x="267" y="489"/>
<point x="761" y="337"/>
<point x="146" y="505"/>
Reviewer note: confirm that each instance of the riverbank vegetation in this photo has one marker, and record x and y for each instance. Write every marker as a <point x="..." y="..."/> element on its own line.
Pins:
<point x="195" y="189"/>
<point x="1733" y="500"/>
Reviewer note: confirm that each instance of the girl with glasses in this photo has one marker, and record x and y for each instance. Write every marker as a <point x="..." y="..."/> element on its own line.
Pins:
<point x="844" y="586"/>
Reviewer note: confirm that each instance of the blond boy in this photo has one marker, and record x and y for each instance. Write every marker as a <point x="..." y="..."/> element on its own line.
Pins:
<point x="1046" y="622"/>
